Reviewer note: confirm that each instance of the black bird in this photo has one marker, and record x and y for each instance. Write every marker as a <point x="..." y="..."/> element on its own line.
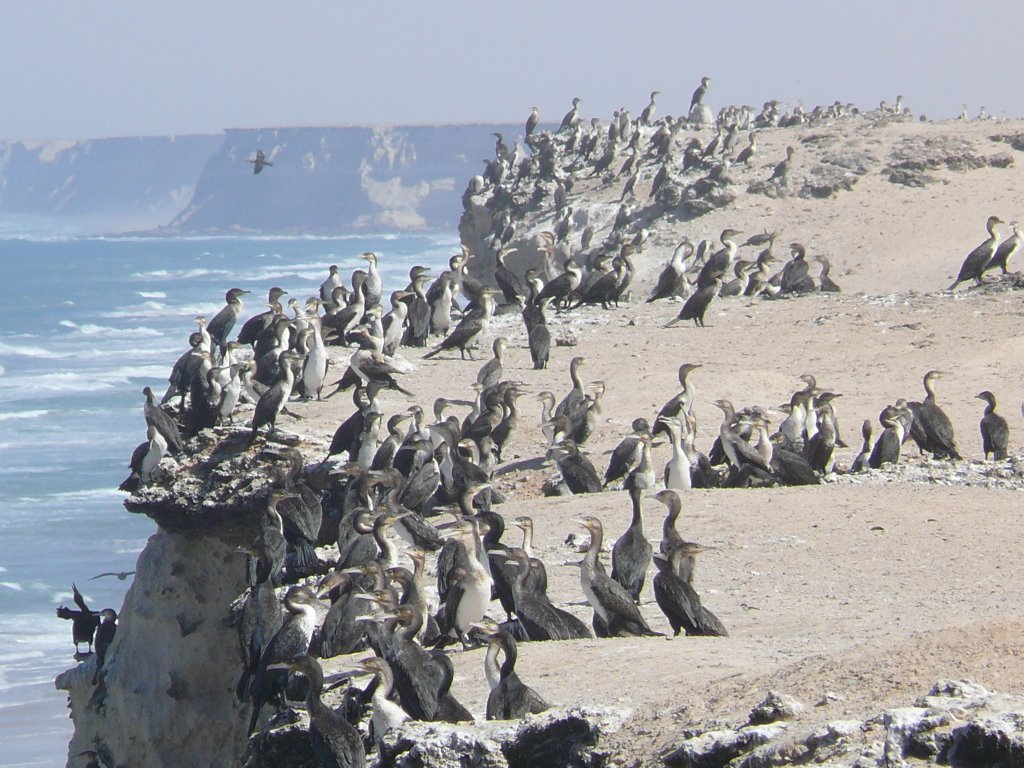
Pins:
<point x="698" y="94"/>
<point x="223" y="322"/>
<point x="995" y="432"/>
<point x="631" y="553"/>
<point x="259" y="162"/>
<point x="162" y="422"/>
<point x="679" y="601"/>
<point x="510" y="698"/>
<point x="255" y="325"/>
<point x="976" y="261"/>
<point x="936" y="430"/>
<point x="577" y="471"/>
<point x="83" y="621"/>
<point x="335" y="742"/>
<point x="273" y="401"/>
<point x="697" y="305"/>
<point x="104" y="637"/>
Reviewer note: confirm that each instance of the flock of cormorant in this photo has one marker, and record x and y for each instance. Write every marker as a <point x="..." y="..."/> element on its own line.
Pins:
<point x="385" y="480"/>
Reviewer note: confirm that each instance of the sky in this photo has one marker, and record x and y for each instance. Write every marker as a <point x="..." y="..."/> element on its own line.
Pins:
<point x="79" y="70"/>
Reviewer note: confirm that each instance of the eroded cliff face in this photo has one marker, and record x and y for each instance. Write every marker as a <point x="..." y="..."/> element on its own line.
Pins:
<point x="166" y="696"/>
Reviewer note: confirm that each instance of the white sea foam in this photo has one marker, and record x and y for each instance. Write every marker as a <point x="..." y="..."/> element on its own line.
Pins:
<point x="92" y="329"/>
<point x="34" y="414"/>
<point x="13" y="585"/>
<point x="16" y="350"/>
<point x="152" y="294"/>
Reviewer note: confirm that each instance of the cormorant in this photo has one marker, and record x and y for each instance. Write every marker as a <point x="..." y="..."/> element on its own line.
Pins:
<point x="509" y="282"/>
<point x="995" y="432"/>
<point x="491" y="371"/>
<point x="160" y="420"/>
<point x="532" y="122"/>
<point x="273" y="401"/>
<point x="83" y="621"/>
<point x="572" y="117"/>
<point x="144" y="461"/>
<point x="698" y="95"/>
<point x="627" y="453"/>
<point x="748" y="152"/>
<point x="463" y="337"/>
<point x="510" y="698"/>
<point x="385" y="714"/>
<point x="223" y="322"/>
<point x="259" y="162"/>
<point x="647" y="116"/>
<point x="1006" y="249"/>
<point x="121" y="575"/>
<point x="828" y="285"/>
<point x="631" y="553"/>
<point x="935" y="426"/>
<point x="577" y="471"/>
<point x="334" y="740"/>
<point x="977" y="260"/>
<point x="104" y="637"/>
<point x="681" y="405"/>
<point x="861" y="462"/>
<point x="889" y="444"/>
<point x="697" y="305"/>
<point x="795" y="278"/>
<point x="289" y="642"/>
<point x="611" y="603"/>
<point x="678" y="600"/>
<point x="781" y="172"/>
<point x="255" y="325"/>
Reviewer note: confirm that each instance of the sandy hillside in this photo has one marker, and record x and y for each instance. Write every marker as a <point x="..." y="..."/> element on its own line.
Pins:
<point x="865" y="588"/>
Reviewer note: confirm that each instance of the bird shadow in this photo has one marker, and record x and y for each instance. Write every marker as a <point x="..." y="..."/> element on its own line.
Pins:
<point x="538" y="462"/>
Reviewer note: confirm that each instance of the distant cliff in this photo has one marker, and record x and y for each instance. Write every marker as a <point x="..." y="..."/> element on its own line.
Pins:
<point x="339" y="179"/>
<point x="135" y="182"/>
<point x="326" y="179"/>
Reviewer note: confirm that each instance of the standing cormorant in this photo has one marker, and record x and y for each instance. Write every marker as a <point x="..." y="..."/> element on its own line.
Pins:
<point x="572" y="117"/>
<point x="677" y="598"/>
<point x="631" y="553"/>
<point x="144" y="461"/>
<point x="934" y="424"/>
<point x="162" y="422"/>
<point x="510" y="698"/>
<point x="995" y="432"/>
<point x="672" y="280"/>
<point x="223" y="322"/>
<point x="532" y="122"/>
<point x="889" y="444"/>
<point x="463" y="337"/>
<point x="104" y="637"/>
<point x="698" y="95"/>
<point x="1006" y="249"/>
<point x="385" y="714"/>
<point x="83" y="621"/>
<point x="681" y="405"/>
<point x="273" y="401"/>
<point x="977" y="260"/>
<point x="647" y="116"/>
<point x="611" y="603"/>
<point x="697" y="305"/>
<point x="861" y="462"/>
<point x="627" y="453"/>
<point x="781" y="172"/>
<point x="577" y="471"/>
<point x="334" y="740"/>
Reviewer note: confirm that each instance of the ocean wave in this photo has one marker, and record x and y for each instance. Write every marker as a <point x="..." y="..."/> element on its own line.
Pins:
<point x="180" y="274"/>
<point x="91" y="329"/>
<point x="152" y="294"/>
<point x="13" y="585"/>
<point x="34" y="414"/>
<point x="29" y="351"/>
<point x="91" y="493"/>
<point x="62" y="382"/>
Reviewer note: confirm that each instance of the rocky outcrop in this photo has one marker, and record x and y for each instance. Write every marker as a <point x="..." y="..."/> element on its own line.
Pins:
<point x="957" y="723"/>
<point x="167" y="693"/>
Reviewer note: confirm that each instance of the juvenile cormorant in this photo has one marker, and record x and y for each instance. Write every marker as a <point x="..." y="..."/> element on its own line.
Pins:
<point x="995" y="432"/>
<point x="385" y="714"/>
<point x="828" y="285"/>
<point x="781" y="172"/>
<point x="610" y="601"/>
<point x="463" y="337"/>
<point x="510" y="698"/>
<point x="861" y="462"/>
<point x="273" y="401"/>
<point x="290" y="641"/>
<point x="935" y="425"/>
<point x="335" y="741"/>
<point x="83" y="621"/>
<point x="889" y="444"/>
<point x="372" y="286"/>
<point x="977" y="260"/>
<point x="631" y="553"/>
<point x="681" y="405"/>
<point x="577" y="471"/>
<point x="647" y="116"/>
<point x="1008" y="248"/>
<point x="490" y="372"/>
<point x="679" y="601"/>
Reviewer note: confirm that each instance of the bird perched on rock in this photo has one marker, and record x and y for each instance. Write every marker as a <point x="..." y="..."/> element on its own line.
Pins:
<point x="977" y="260"/>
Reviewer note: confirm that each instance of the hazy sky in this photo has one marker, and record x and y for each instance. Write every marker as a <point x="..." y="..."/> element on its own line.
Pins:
<point x="133" y="67"/>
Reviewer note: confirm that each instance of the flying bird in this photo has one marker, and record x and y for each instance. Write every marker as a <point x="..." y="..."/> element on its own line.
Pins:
<point x="260" y="161"/>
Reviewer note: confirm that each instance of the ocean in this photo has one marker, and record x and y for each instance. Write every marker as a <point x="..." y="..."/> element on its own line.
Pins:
<point x="85" y="324"/>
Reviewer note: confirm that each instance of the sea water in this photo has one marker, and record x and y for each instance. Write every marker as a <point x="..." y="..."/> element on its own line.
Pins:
<point x="85" y="324"/>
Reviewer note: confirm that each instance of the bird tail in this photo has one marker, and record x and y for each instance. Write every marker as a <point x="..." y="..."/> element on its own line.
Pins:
<point x="431" y="353"/>
<point x="954" y="285"/>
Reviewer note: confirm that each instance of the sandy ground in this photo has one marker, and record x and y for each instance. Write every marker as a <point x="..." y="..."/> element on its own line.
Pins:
<point x="865" y="590"/>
